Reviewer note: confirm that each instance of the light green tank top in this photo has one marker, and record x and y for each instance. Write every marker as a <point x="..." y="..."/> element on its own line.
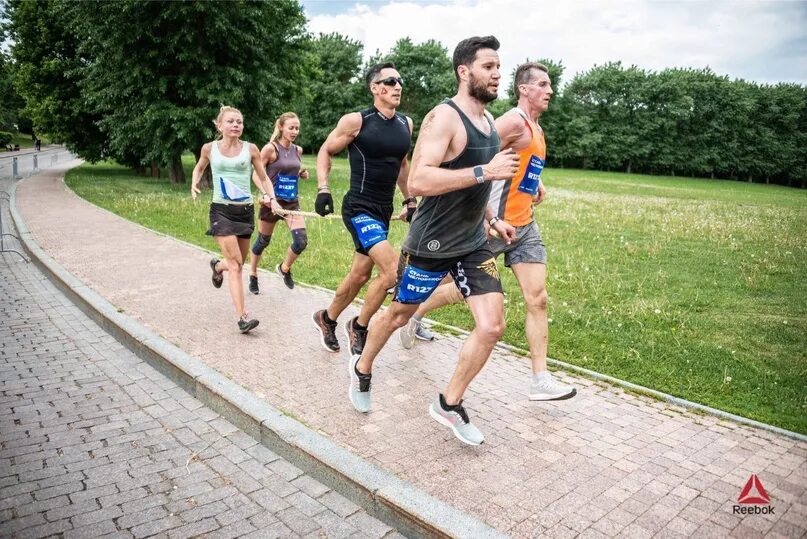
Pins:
<point x="231" y="175"/>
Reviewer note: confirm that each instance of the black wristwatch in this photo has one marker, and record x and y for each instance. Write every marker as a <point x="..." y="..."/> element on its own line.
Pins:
<point x="413" y="200"/>
<point x="493" y="220"/>
<point x="479" y="175"/>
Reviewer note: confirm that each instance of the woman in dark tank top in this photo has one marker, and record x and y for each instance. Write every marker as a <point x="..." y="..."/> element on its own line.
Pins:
<point x="281" y="157"/>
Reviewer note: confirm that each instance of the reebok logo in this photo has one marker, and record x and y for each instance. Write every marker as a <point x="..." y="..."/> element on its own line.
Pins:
<point x="753" y="494"/>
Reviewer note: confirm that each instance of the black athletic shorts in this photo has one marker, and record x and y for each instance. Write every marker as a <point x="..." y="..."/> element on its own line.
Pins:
<point x="266" y="213"/>
<point x="231" y="220"/>
<point x="367" y="222"/>
<point x="474" y="274"/>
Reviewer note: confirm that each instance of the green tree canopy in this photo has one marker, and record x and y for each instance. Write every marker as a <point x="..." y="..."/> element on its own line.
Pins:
<point x="159" y="71"/>
<point x="333" y="84"/>
<point x="47" y="74"/>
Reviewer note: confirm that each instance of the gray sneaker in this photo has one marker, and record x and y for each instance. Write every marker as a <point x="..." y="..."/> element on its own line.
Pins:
<point x="423" y="334"/>
<point x="545" y="388"/>
<point x="457" y="420"/>
<point x="414" y="329"/>
<point x="359" y="389"/>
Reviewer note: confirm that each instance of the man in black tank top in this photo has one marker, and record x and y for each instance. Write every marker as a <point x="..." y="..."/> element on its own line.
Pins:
<point x="456" y="157"/>
<point x="377" y="140"/>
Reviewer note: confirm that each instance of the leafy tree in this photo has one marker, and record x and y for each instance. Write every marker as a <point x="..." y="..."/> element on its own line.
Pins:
<point x="10" y="101"/>
<point x="160" y="70"/>
<point x="47" y="72"/>
<point x="332" y="79"/>
<point x="610" y="96"/>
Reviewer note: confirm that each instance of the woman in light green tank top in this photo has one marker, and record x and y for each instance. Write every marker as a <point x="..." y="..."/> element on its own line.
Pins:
<point x="232" y="215"/>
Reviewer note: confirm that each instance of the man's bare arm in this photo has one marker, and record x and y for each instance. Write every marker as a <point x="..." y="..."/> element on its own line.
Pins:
<point x="426" y="178"/>
<point x="343" y="134"/>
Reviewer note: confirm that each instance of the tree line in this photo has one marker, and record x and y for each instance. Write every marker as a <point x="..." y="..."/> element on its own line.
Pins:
<point x="139" y="82"/>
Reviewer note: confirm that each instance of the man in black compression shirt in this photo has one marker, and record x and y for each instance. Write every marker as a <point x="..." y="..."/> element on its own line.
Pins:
<point x="377" y="140"/>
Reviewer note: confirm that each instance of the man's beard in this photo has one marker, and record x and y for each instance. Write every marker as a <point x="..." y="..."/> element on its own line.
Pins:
<point x="480" y="91"/>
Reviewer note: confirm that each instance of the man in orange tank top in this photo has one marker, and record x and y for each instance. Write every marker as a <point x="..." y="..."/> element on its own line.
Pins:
<point x="512" y="202"/>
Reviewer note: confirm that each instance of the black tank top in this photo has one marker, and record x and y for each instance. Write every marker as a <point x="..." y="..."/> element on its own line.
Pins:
<point x="451" y="224"/>
<point x="376" y="155"/>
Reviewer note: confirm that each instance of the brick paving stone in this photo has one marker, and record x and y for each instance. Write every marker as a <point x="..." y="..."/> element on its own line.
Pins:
<point x="88" y="452"/>
<point x="654" y="452"/>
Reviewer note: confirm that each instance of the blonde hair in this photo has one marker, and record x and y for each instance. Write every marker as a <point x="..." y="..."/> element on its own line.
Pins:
<point x="280" y="122"/>
<point x="222" y="111"/>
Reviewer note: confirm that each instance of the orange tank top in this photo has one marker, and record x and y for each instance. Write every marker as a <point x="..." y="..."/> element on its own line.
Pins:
<point x="511" y="200"/>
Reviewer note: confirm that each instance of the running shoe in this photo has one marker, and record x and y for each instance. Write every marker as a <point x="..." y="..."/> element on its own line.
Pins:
<point x="327" y="331"/>
<point x="423" y="334"/>
<point x="355" y="336"/>
<point x="456" y="418"/>
<point x="217" y="278"/>
<point x="414" y="329"/>
<point x="287" y="280"/>
<point x="253" y="284"/>
<point x="245" y="324"/>
<point x="359" y="389"/>
<point x="545" y="388"/>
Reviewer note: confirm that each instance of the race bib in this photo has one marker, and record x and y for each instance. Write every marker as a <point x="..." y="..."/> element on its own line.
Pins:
<point x="286" y="187"/>
<point x="230" y="191"/>
<point x="417" y="285"/>
<point x="370" y="231"/>
<point x="532" y="176"/>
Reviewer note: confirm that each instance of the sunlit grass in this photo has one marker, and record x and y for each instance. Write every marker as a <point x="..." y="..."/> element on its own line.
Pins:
<point x="697" y="288"/>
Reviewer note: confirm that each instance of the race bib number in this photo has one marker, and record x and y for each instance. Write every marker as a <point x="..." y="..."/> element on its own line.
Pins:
<point x="230" y="191"/>
<point x="417" y="285"/>
<point x="286" y="187"/>
<point x="532" y="176"/>
<point x="370" y="231"/>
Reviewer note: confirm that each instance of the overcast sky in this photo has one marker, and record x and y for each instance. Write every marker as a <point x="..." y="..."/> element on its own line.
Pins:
<point x="762" y="40"/>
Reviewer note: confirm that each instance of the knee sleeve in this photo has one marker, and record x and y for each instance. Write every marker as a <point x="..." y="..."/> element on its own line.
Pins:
<point x="299" y="240"/>
<point x="261" y="243"/>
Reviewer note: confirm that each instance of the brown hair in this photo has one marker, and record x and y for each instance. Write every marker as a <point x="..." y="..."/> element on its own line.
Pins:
<point x="465" y="52"/>
<point x="524" y="75"/>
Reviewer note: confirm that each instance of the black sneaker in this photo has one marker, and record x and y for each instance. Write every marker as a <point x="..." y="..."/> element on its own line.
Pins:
<point x="217" y="278"/>
<point x="253" y="284"/>
<point x="287" y="280"/>
<point x="245" y="325"/>
<point x="327" y="331"/>
<point x="355" y="336"/>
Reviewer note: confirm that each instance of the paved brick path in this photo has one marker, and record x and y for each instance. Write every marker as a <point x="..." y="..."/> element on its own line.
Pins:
<point x="94" y="442"/>
<point x="606" y="463"/>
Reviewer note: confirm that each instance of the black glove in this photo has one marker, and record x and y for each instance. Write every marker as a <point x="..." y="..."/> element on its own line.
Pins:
<point x="324" y="203"/>
<point x="410" y="212"/>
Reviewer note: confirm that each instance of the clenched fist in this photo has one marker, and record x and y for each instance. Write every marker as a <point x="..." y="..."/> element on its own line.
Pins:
<point x="503" y="166"/>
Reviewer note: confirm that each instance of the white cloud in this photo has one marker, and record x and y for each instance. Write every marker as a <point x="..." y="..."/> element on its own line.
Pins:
<point x="756" y="40"/>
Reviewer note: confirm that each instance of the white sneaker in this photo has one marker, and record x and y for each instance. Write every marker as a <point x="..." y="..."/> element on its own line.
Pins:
<point x="414" y="330"/>
<point x="359" y="389"/>
<point x="545" y="388"/>
<point x="407" y="333"/>
<point x="456" y="418"/>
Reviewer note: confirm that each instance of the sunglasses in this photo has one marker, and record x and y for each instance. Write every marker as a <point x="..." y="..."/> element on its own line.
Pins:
<point x="390" y="81"/>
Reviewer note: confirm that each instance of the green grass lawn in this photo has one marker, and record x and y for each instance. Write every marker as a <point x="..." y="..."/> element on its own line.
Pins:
<point x="697" y="288"/>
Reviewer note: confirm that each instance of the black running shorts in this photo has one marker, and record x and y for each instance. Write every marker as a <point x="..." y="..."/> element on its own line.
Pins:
<point x="367" y="222"/>
<point x="474" y="274"/>
<point x="231" y="220"/>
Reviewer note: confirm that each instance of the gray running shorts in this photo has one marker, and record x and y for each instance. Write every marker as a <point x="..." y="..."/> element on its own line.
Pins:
<point x="528" y="246"/>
